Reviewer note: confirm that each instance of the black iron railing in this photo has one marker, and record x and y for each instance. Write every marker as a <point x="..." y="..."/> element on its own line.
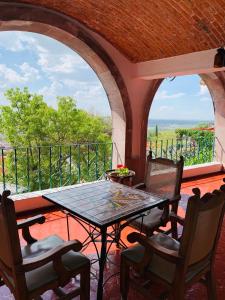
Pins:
<point x="36" y="168"/>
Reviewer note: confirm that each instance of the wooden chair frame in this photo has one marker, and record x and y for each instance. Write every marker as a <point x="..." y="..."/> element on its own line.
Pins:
<point x="19" y="266"/>
<point x="172" y="206"/>
<point x="180" y="258"/>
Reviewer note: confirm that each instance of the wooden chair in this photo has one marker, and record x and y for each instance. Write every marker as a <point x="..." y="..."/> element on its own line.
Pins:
<point x="163" y="177"/>
<point x="40" y="265"/>
<point x="174" y="264"/>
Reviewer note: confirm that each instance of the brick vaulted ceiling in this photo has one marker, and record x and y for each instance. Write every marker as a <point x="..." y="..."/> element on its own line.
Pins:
<point x="149" y="29"/>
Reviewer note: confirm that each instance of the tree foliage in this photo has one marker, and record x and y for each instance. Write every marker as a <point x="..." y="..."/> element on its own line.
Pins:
<point x="194" y="134"/>
<point x="29" y="121"/>
<point x="50" y="144"/>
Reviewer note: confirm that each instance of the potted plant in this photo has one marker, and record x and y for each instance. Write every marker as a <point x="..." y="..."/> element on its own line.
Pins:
<point x="121" y="174"/>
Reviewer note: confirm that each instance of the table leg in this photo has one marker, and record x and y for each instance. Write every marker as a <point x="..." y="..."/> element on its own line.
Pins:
<point x="102" y="263"/>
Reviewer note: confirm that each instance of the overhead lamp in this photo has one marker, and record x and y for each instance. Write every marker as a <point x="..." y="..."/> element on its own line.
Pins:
<point x="219" y="60"/>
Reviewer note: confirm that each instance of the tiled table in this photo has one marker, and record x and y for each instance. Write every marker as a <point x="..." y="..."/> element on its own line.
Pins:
<point x="102" y="204"/>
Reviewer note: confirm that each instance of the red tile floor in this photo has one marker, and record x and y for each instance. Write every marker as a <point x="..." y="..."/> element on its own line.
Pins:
<point x="56" y="224"/>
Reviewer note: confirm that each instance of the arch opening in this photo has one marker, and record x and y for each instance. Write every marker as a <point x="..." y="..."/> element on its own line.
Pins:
<point x="73" y="35"/>
<point x="181" y="120"/>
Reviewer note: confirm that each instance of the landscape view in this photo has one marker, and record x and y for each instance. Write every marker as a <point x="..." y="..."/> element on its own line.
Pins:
<point x="56" y="121"/>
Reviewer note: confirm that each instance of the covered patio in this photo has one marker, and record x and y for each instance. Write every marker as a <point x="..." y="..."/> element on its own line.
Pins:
<point x="132" y="46"/>
<point x="132" y="49"/>
<point x="56" y="224"/>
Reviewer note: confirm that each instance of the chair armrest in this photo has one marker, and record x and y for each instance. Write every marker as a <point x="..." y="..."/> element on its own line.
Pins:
<point x="153" y="247"/>
<point x="31" y="221"/>
<point x="139" y="185"/>
<point x="176" y="218"/>
<point x="25" y="226"/>
<point x="52" y="255"/>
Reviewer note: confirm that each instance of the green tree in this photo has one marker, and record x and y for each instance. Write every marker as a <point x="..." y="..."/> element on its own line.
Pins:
<point x="48" y="143"/>
<point x="156" y="131"/>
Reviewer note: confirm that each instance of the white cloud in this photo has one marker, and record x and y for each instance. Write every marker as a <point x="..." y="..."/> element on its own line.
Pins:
<point x="26" y="74"/>
<point x="165" y="108"/>
<point x="205" y="99"/>
<point x="58" y="69"/>
<point x="66" y="63"/>
<point x="16" y="42"/>
<point x="51" y="92"/>
<point x="73" y="83"/>
<point x="203" y="90"/>
<point x="161" y="95"/>
<point x="10" y="75"/>
<point x="89" y="91"/>
<point x="29" y="72"/>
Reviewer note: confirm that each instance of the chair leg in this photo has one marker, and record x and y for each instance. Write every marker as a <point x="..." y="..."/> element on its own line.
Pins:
<point x="124" y="278"/>
<point x="211" y="286"/>
<point x="68" y="226"/>
<point x="85" y="284"/>
<point x="174" y="230"/>
<point x="117" y="235"/>
<point x="177" y="293"/>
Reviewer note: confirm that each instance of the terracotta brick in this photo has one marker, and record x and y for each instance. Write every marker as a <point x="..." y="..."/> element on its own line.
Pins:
<point x="146" y="30"/>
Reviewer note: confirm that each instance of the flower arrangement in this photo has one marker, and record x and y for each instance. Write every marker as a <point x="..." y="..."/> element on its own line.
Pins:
<point x="122" y="170"/>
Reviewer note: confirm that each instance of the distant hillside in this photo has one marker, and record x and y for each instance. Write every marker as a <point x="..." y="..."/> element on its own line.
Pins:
<point x="174" y="124"/>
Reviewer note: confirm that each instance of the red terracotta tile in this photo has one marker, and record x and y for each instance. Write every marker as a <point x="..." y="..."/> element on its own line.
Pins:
<point x="56" y="224"/>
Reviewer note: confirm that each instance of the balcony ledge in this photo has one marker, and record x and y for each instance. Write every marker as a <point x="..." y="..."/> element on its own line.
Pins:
<point x="28" y="204"/>
<point x="202" y="169"/>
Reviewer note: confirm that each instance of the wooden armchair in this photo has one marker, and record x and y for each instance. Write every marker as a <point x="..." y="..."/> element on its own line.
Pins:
<point x="163" y="177"/>
<point x="40" y="265"/>
<point x="174" y="264"/>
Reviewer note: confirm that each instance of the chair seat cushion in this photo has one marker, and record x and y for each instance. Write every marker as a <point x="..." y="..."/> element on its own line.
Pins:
<point x="150" y="221"/>
<point x="160" y="266"/>
<point x="46" y="274"/>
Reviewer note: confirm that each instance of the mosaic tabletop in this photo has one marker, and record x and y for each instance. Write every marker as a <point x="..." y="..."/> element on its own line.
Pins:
<point x="104" y="203"/>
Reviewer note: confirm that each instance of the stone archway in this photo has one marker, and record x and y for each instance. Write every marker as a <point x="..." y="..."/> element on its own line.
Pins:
<point x="24" y="17"/>
<point x="216" y="85"/>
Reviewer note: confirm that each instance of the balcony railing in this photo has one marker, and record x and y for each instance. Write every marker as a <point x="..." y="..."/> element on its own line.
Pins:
<point x="37" y="168"/>
<point x="195" y="151"/>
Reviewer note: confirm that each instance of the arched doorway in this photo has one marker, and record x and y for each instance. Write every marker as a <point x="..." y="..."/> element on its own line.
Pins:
<point x="22" y="17"/>
<point x="181" y="120"/>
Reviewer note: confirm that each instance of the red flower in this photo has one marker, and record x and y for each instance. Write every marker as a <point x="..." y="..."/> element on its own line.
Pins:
<point x="119" y="166"/>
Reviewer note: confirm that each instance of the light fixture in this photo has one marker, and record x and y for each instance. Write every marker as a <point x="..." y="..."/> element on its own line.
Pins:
<point x="219" y="60"/>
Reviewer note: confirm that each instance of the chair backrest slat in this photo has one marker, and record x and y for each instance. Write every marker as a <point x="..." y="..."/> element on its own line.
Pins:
<point x="163" y="176"/>
<point x="202" y="227"/>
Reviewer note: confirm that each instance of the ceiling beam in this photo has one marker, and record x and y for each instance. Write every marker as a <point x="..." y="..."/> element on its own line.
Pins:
<point x="187" y="64"/>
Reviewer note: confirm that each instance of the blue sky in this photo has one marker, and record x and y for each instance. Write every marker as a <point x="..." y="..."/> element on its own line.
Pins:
<point x="183" y="98"/>
<point x="52" y="69"/>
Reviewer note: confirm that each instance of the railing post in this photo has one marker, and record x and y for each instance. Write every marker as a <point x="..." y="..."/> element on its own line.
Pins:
<point x="96" y="161"/>
<point x="3" y="170"/>
<point x="104" y="158"/>
<point x="171" y="153"/>
<point x="111" y="155"/>
<point x="60" y="166"/>
<point x="70" y="165"/>
<point x="39" y="167"/>
<point x="50" y="167"/>
<point x="28" y="170"/>
<point x="16" y="175"/>
<point x="161" y="148"/>
<point x="79" y="170"/>
<point x="166" y="148"/>
<point x="88" y="160"/>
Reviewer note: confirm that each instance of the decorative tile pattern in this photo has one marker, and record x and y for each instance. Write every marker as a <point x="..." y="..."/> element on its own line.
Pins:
<point x="103" y="203"/>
